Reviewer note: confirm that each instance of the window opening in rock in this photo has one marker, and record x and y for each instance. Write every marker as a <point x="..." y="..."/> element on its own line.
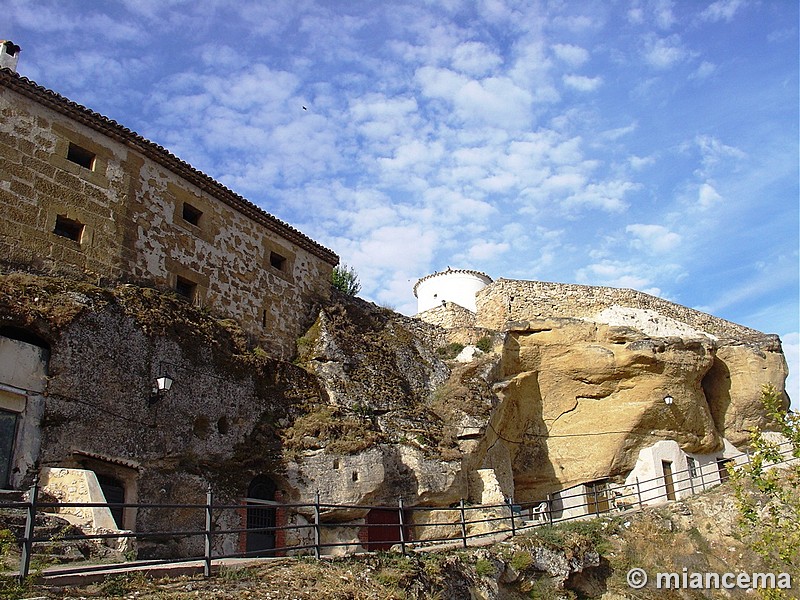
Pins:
<point x="277" y="261"/>
<point x="68" y="228"/>
<point x="185" y="288"/>
<point x="81" y="156"/>
<point x="691" y="463"/>
<point x="191" y="214"/>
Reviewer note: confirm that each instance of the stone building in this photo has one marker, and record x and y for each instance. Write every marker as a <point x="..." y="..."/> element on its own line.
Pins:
<point x="84" y="196"/>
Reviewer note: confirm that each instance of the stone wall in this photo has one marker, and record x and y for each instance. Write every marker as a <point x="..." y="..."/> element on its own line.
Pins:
<point x="513" y="300"/>
<point x="448" y="315"/>
<point x="120" y="208"/>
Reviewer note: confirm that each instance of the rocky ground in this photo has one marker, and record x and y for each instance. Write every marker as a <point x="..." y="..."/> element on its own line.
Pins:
<point x="587" y="559"/>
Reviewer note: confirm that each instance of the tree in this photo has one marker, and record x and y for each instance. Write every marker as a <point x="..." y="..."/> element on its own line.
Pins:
<point x="767" y="498"/>
<point x="345" y="279"/>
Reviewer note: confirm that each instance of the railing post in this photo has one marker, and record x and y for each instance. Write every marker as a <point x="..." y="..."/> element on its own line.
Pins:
<point x="510" y="501"/>
<point x="463" y="523"/>
<point x="702" y="477"/>
<point x="549" y="509"/>
<point x="596" y="507"/>
<point x="208" y="534"/>
<point x="639" y="493"/>
<point x="317" y="532"/>
<point x="30" y="524"/>
<point x="402" y="526"/>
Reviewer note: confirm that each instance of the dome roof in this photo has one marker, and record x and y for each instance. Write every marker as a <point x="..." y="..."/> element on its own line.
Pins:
<point x="449" y="271"/>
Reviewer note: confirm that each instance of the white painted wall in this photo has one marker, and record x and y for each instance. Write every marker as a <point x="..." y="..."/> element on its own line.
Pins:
<point x="22" y="365"/>
<point x="23" y="376"/>
<point x="456" y="286"/>
<point x="650" y="473"/>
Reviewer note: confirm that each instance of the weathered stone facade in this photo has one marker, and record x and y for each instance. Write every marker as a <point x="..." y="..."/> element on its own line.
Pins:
<point x="449" y="316"/>
<point x="86" y="197"/>
<point x="508" y="300"/>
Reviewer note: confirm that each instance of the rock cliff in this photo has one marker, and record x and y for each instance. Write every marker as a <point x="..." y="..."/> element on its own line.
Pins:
<point x="375" y="406"/>
<point x="558" y="401"/>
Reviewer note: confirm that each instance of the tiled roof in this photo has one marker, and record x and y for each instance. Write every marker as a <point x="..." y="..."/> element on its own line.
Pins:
<point x="162" y="156"/>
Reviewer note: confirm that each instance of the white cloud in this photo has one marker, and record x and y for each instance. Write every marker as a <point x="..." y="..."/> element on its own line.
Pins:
<point x="574" y="56"/>
<point x="640" y="162"/>
<point x="493" y="100"/>
<point x="606" y="195"/>
<point x="475" y="58"/>
<point x="713" y="153"/>
<point x="707" y="196"/>
<point x="653" y="238"/>
<point x="662" y="11"/>
<point x="583" y="83"/>
<point x="704" y="71"/>
<point x="615" y="274"/>
<point x="663" y="53"/>
<point x="722" y="10"/>
<point x="487" y="250"/>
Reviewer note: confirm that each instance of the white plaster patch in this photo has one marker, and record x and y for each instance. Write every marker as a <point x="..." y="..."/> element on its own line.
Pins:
<point x="468" y="354"/>
<point x="650" y="322"/>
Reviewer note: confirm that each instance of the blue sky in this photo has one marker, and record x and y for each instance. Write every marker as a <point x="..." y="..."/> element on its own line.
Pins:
<point x="649" y="144"/>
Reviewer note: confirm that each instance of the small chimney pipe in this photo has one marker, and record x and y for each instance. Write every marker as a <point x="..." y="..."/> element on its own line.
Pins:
<point x="9" y="55"/>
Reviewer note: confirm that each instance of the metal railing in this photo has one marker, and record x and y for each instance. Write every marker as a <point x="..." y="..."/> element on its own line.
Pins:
<point x="404" y="526"/>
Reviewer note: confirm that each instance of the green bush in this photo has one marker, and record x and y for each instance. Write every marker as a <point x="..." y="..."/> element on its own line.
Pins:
<point x="484" y="344"/>
<point x="484" y="568"/>
<point x="450" y="351"/>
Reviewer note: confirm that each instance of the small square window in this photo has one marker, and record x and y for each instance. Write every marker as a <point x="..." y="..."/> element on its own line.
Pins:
<point x="81" y="156"/>
<point x="185" y="288"/>
<point x="277" y="261"/>
<point x="68" y="228"/>
<point x="191" y="214"/>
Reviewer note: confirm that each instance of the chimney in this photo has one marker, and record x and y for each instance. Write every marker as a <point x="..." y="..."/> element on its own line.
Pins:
<point x="9" y="55"/>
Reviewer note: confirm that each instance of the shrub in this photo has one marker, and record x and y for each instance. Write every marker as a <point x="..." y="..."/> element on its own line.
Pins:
<point x="450" y="351"/>
<point x="484" y="344"/>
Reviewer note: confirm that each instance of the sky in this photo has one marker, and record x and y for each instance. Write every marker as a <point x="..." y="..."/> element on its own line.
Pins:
<point x="648" y="144"/>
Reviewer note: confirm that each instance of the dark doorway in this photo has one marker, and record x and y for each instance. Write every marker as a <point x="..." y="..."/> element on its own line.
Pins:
<point x="722" y="467"/>
<point x="383" y="528"/>
<point x="114" y="491"/>
<point x="8" y="431"/>
<point x="669" y="483"/>
<point x="260" y="517"/>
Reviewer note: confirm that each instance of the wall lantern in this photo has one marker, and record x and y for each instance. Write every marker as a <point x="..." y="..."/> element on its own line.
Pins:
<point x="163" y="385"/>
<point x="668" y="399"/>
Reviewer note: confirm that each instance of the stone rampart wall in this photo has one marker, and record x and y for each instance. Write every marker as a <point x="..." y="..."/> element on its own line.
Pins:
<point x="448" y="315"/>
<point x="514" y="300"/>
<point x="129" y="222"/>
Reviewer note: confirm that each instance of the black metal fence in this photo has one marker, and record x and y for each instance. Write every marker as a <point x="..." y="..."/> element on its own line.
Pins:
<point x="401" y="527"/>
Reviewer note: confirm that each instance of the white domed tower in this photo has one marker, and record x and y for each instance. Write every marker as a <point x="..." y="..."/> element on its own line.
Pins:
<point x="453" y="285"/>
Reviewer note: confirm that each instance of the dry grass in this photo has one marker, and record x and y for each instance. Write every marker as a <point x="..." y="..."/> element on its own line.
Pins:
<point x="328" y="427"/>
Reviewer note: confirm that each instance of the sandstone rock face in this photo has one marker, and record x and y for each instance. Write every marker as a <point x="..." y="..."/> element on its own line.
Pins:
<point x="560" y="401"/>
<point x="581" y="399"/>
<point x="733" y="387"/>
